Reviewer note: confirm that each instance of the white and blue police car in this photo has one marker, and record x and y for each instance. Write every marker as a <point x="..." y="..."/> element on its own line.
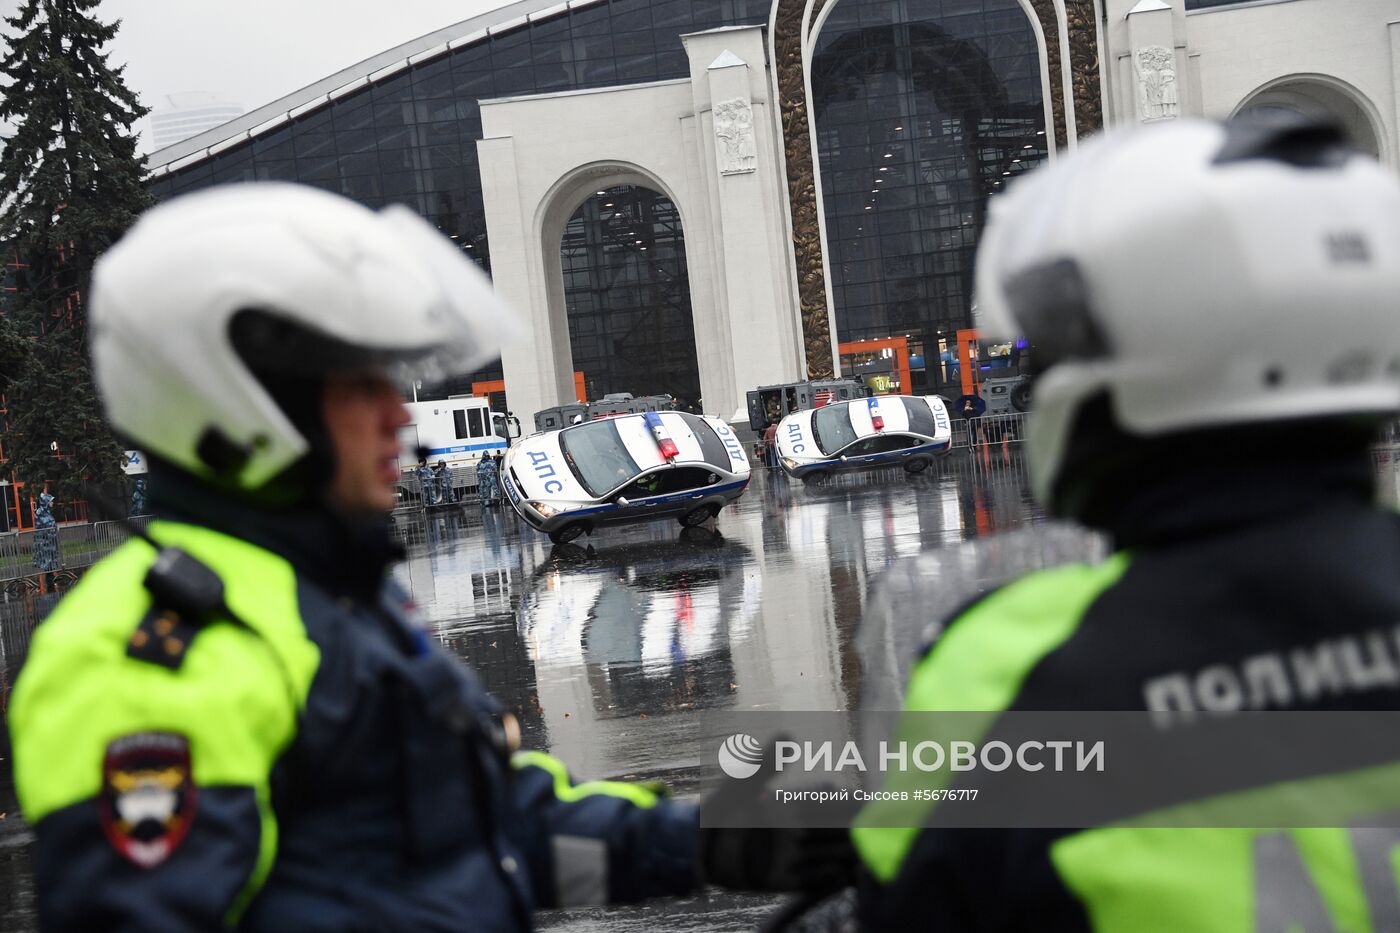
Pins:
<point x="623" y="469"/>
<point x="864" y="433"/>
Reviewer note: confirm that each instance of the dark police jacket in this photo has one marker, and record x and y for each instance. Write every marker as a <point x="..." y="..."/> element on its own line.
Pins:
<point x="1247" y="592"/>
<point x="317" y="764"/>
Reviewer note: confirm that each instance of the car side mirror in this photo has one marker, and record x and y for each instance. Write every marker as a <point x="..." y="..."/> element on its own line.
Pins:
<point x="623" y="501"/>
<point x="844" y="457"/>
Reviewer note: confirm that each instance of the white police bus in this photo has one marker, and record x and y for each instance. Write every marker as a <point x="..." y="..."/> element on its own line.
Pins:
<point x="458" y="431"/>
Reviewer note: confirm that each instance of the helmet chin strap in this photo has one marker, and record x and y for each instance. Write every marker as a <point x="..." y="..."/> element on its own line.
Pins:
<point x="222" y="454"/>
<point x="305" y="482"/>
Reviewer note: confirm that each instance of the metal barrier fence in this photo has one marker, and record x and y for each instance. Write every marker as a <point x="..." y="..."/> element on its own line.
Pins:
<point x="410" y="489"/>
<point x="985" y="431"/>
<point x="989" y="430"/>
<point x="992" y="437"/>
<point x="988" y="465"/>
<point x="64" y="548"/>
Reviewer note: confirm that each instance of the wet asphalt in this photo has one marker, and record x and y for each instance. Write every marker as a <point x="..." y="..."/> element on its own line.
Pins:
<point x="618" y="651"/>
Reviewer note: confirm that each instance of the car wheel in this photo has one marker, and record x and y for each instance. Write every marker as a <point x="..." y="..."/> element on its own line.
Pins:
<point x="813" y="478"/>
<point x="916" y="466"/>
<point x="567" y="552"/>
<point x="701" y="537"/>
<point x="568" y="533"/>
<point x="697" y="516"/>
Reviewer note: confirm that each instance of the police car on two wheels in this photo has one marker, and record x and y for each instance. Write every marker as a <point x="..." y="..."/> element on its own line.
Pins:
<point x="865" y="433"/>
<point x="625" y="469"/>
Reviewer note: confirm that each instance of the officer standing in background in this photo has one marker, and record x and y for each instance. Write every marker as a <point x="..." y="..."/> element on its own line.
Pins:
<point x="242" y="722"/>
<point x="487" y="469"/>
<point x="44" y="550"/>
<point x="1215" y="312"/>
<point x="442" y="479"/>
<point x="427" y="483"/>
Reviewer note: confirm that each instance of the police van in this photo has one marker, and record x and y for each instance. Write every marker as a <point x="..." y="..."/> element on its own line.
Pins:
<point x="458" y="431"/>
<point x="865" y="433"/>
<point x="630" y="468"/>
<point x="615" y="403"/>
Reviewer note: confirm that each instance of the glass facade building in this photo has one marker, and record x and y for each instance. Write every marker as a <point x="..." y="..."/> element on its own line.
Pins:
<point x="922" y="109"/>
<point x="627" y="292"/>
<point x="411" y="138"/>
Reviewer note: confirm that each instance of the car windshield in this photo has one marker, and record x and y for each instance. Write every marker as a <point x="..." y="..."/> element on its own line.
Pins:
<point x="831" y="428"/>
<point x="920" y="416"/>
<point x="710" y="445"/>
<point x="598" y="457"/>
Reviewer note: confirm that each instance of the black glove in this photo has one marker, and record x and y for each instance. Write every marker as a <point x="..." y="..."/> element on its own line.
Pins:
<point x="766" y="857"/>
<point x="782" y="859"/>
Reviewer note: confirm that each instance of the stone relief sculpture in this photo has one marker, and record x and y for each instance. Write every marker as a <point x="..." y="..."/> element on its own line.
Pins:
<point x="1157" y="94"/>
<point x="734" y="137"/>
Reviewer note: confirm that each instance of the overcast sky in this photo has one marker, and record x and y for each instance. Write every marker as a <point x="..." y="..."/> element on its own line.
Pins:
<point x="255" y="51"/>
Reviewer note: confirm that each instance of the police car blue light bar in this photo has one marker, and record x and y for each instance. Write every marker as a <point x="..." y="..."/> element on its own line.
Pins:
<point x="663" y="440"/>
<point x="876" y="419"/>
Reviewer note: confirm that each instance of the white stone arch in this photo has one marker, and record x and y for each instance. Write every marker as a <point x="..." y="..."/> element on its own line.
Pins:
<point x="558" y="206"/>
<point x="1325" y="95"/>
<point x="541" y="156"/>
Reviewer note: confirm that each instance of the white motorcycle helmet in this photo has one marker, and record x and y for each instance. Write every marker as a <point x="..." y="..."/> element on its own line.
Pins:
<point x="1194" y="276"/>
<point x="209" y="293"/>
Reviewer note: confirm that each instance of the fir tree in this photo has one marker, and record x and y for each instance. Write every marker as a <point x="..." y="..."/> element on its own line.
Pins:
<point x="70" y="184"/>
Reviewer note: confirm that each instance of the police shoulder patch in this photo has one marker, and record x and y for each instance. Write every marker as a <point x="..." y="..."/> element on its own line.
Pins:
<point x="148" y="796"/>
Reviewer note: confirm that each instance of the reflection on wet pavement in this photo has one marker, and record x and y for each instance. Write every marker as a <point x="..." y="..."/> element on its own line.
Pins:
<point x="613" y="650"/>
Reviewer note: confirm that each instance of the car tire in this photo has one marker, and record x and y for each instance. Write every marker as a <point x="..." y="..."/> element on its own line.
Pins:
<point x="916" y="466"/>
<point x="812" y="479"/>
<point x="702" y="537"/>
<point x="567" y="533"/>
<point x="697" y="516"/>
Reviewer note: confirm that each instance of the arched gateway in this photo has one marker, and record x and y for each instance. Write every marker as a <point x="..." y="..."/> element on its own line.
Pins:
<point x="708" y="144"/>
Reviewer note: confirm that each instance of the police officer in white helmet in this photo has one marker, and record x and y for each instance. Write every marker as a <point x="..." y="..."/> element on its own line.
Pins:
<point x="1215" y="314"/>
<point x="242" y="722"/>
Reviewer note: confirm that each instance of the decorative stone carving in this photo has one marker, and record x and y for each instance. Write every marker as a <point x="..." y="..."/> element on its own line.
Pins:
<point x="1084" y="67"/>
<point x="1156" y="74"/>
<point x="734" y="138"/>
<point x="1050" y="26"/>
<point x="788" y="30"/>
